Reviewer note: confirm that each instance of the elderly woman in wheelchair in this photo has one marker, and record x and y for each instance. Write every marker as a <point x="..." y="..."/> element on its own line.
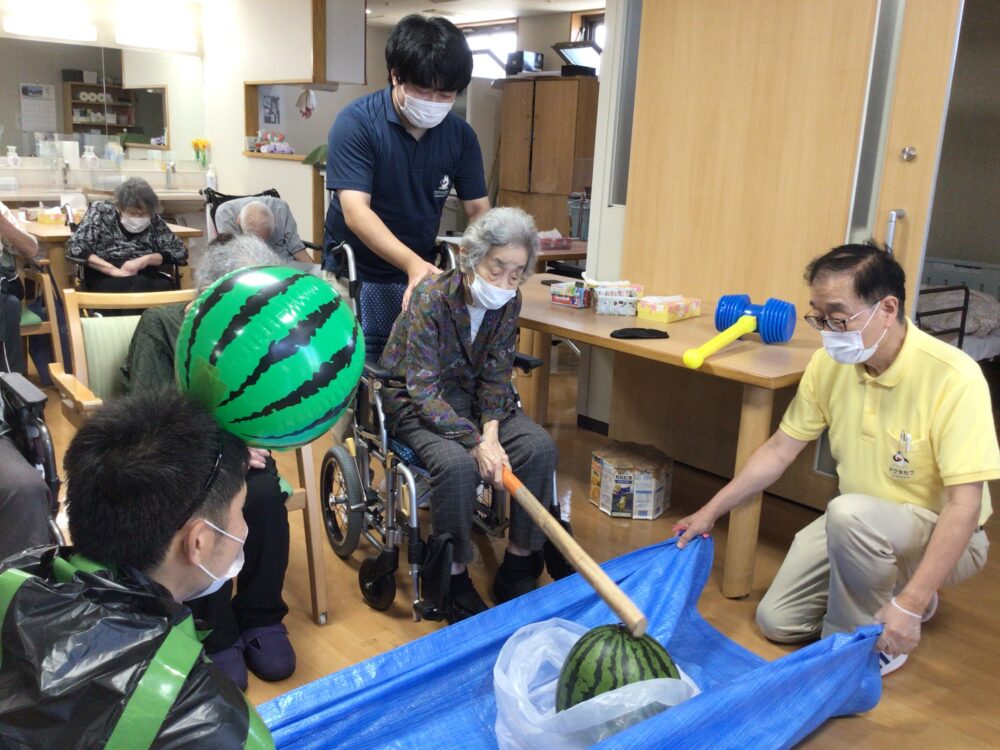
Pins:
<point x="451" y="354"/>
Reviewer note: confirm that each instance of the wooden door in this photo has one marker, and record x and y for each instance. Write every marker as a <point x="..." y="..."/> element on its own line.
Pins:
<point x="553" y="148"/>
<point x="747" y="123"/>
<point x="515" y="135"/>
<point x="924" y="66"/>
<point x="743" y="168"/>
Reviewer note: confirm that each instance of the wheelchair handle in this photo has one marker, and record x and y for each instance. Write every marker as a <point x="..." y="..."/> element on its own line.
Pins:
<point x="585" y="565"/>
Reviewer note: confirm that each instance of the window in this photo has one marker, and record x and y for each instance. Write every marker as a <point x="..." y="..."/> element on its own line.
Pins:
<point x="592" y="29"/>
<point x="490" y="45"/>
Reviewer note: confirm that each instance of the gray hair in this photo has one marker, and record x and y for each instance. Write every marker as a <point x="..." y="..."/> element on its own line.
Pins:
<point x="495" y="228"/>
<point x="256" y="218"/>
<point x="224" y="257"/>
<point x="135" y="194"/>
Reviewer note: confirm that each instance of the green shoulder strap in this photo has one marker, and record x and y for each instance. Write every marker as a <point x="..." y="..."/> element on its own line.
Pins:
<point x="157" y="690"/>
<point x="10" y="581"/>
<point x="258" y="736"/>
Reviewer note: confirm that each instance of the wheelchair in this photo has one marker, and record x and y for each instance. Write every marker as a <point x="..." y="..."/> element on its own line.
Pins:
<point x="23" y="407"/>
<point x="387" y="514"/>
<point x="214" y="199"/>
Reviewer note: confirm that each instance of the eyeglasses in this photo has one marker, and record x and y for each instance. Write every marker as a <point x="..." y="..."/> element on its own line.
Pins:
<point x="200" y="498"/>
<point x="838" y="325"/>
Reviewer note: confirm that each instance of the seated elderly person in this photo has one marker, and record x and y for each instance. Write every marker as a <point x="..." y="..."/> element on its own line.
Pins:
<point x="247" y="629"/>
<point x="125" y="241"/>
<point x="454" y="349"/>
<point x="269" y="219"/>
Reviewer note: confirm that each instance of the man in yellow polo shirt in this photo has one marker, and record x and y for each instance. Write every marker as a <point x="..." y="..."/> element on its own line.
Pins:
<point x="911" y="428"/>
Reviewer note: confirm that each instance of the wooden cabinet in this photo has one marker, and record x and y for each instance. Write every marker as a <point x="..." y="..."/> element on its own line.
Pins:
<point x="547" y="145"/>
<point x="84" y="112"/>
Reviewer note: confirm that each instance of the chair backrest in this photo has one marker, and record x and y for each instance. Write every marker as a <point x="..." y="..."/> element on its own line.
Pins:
<point x="99" y="345"/>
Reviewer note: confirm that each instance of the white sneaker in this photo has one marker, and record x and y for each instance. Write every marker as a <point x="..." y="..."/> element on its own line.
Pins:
<point x="931" y="608"/>
<point x="889" y="664"/>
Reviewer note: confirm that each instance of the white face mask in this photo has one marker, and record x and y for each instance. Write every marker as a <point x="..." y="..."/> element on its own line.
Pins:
<point x="488" y="296"/>
<point x="848" y="347"/>
<point x="135" y="224"/>
<point x="422" y="113"/>
<point x="234" y="568"/>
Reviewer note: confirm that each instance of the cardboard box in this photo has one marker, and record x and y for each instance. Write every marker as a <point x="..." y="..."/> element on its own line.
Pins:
<point x="631" y="481"/>
<point x="668" y="309"/>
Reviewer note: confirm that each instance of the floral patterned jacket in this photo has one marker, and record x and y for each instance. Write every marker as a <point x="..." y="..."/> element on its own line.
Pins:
<point x="429" y="349"/>
<point x="101" y="234"/>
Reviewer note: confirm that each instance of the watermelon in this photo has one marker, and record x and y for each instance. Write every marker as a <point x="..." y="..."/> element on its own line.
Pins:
<point x="606" y="658"/>
<point x="275" y="354"/>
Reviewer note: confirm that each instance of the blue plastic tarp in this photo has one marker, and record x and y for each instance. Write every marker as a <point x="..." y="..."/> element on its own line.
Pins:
<point x="437" y="691"/>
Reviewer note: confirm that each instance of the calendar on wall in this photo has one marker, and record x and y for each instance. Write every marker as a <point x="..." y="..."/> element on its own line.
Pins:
<point x="38" y="107"/>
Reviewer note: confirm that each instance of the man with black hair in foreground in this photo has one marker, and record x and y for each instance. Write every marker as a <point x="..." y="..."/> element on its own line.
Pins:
<point x="911" y="428"/>
<point x="96" y="645"/>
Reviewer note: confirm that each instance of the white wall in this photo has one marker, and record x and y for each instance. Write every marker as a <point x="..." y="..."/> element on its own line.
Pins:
<point x="246" y="40"/>
<point x="539" y="33"/>
<point x="183" y="77"/>
<point x="305" y="134"/>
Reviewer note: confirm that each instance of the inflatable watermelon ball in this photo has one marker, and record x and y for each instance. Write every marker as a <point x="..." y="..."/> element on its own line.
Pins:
<point x="275" y="354"/>
<point x="606" y="658"/>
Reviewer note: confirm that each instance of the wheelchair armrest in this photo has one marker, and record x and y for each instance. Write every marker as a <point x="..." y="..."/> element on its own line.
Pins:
<point x="76" y="261"/>
<point x="77" y="399"/>
<point x="526" y="363"/>
<point x="312" y="245"/>
<point x="376" y="371"/>
<point x="19" y="392"/>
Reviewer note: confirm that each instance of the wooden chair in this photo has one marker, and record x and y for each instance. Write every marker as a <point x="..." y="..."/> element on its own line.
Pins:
<point x="99" y="347"/>
<point x="34" y="275"/>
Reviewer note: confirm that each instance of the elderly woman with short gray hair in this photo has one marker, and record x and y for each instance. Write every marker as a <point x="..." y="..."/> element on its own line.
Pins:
<point x="125" y="241"/>
<point x="454" y="349"/>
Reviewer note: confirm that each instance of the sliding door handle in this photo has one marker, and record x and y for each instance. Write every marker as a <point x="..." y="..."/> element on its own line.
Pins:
<point x="890" y="233"/>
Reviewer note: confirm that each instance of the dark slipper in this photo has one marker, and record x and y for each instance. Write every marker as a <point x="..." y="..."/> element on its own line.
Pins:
<point x="463" y="601"/>
<point x="232" y="663"/>
<point x="269" y="653"/>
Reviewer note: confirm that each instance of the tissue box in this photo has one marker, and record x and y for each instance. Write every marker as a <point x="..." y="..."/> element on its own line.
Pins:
<point x="571" y="294"/>
<point x="668" y="309"/>
<point x="616" y="300"/>
<point x="630" y="481"/>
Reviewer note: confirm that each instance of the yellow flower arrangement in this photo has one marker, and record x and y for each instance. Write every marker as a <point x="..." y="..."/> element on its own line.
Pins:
<point x="200" y="146"/>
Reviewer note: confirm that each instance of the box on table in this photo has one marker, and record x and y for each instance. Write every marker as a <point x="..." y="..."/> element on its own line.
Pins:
<point x="628" y="480"/>
<point x="571" y="294"/>
<point x="617" y="300"/>
<point x="668" y="309"/>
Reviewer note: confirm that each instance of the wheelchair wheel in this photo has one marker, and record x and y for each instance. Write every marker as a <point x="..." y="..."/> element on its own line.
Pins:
<point x="378" y="589"/>
<point x="343" y="500"/>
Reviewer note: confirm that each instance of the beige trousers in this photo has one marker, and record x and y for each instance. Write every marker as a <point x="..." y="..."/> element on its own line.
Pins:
<point x="844" y="566"/>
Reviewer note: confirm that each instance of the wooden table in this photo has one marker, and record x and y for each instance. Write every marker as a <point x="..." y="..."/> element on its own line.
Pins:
<point x="576" y="251"/>
<point x="52" y="239"/>
<point x="760" y="368"/>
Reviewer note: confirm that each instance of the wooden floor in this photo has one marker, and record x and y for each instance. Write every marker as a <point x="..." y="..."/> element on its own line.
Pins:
<point x="945" y="697"/>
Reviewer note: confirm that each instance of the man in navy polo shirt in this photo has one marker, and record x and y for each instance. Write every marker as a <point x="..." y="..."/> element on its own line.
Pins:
<point x="393" y="158"/>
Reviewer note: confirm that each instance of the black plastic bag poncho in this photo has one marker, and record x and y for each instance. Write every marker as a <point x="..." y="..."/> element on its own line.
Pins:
<point x="91" y="658"/>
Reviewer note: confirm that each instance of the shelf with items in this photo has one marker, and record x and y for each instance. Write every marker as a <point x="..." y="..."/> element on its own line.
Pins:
<point x="87" y="106"/>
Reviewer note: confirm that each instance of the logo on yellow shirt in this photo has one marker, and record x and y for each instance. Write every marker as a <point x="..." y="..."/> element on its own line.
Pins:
<point x="900" y="468"/>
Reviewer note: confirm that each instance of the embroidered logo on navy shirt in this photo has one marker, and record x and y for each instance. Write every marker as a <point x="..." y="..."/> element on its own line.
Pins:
<point x="443" y="188"/>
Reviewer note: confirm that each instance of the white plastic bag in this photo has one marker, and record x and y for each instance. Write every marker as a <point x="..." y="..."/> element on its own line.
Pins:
<point x="525" y="678"/>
